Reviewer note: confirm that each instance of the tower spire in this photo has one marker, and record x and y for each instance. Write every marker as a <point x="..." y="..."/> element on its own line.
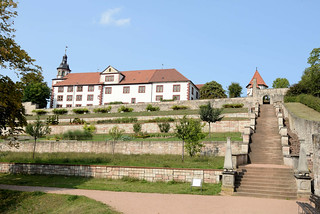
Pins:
<point x="63" y="68"/>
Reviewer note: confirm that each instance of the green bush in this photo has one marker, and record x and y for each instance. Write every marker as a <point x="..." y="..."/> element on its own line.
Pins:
<point x="233" y="105"/>
<point x="40" y="112"/>
<point x="142" y="135"/>
<point x="60" y="111"/>
<point x="77" y="135"/>
<point x="77" y="121"/>
<point x="102" y="110"/>
<point x="177" y="107"/>
<point x="80" y="110"/>
<point x="125" y="109"/>
<point x="89" y="128"/>
<point x="119" y="120"/>
<point x="137" y="128"/>
<point x="115" y="103"/>
<point x="290" y="99"/>
<point x="161" y="119"/>
<point x="53" y="120"/>
<point x="164" y="127"/>
<point x="152" y="108"/>
<point x="310" y="101"/>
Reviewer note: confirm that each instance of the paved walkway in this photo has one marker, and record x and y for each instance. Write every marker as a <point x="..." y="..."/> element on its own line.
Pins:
<point x="154" y="203"/>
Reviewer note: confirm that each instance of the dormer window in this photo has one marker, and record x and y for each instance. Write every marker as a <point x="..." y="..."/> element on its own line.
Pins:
<point x="109" y="78"/>
<point x="110" y="70"/>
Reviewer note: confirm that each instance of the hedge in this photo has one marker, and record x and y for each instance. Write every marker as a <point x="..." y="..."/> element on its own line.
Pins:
<point x="40" y="112"/>
<point x="306" y="99"/>
<point x="233" y="105"/>
<point x="60" y="111"/>
<point x="80" y="110"/>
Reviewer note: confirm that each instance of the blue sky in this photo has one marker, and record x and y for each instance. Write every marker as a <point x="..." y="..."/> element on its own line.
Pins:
<point x="221" y="40"/>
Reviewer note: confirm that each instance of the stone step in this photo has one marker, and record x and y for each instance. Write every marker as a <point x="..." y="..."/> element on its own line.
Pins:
<point x="251" y="185"/>
<point x="259" y="195"/>
<point x="291" y="192"/>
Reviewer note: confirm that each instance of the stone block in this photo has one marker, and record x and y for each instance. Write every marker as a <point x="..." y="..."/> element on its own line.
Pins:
<point x="228" y="179"/>
<point x="304" y="186"/>
<point x="284" y="140"/>
<point x="285" y="150"/>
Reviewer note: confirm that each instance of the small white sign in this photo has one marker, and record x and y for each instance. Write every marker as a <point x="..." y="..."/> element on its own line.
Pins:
<point x="196" y="182"/>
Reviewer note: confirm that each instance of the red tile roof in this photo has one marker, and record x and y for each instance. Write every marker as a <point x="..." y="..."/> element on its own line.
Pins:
<point x="259" y="79"/>
<point x="131" y="77"/>
<point x="199" y="86"/>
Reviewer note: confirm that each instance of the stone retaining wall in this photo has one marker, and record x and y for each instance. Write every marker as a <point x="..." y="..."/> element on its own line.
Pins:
<point x="123" y="147"/>
<point x="114" y="172"/>
<point x="316" y="163"/>
<point x="222" y="126"/>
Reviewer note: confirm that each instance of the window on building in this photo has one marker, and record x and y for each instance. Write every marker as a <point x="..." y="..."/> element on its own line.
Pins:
<point x="176" y="97"/>
<point x="79" y="88"/>
<point x="69" y="106"/>
<point x="110" y="78"/>
<point x="176" y="88"/>
<point x="192" y="90"/>
<point x="108" y="90"/>
<point x="159" y="88"/>
<point x="90" y="97"/>
<point x="78" y="105"/>
<point x="142" y="89"/>
<point x="133" y="100"/>
<point x="126" y="89"/>
<point x="70" y="88"/>
<point x="60" y="89"/>
<point x="59" y="106"/>
<point x="91" y="88"/>
<point x="60" y="98"/>
<point x="197" y="95"/>
<point x="79" y="98"/>
<point x="89" y="104"/>
<point x="69" y="97"/>
<point x="159" y="97"/>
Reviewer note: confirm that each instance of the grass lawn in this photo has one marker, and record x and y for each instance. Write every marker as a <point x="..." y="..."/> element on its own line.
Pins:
<point x="303" y="111"/>
<point x="122" y="185"/>
<point x="169" y="161"/>
<point x="38" y="202"/>
<point x="144" y="113"/>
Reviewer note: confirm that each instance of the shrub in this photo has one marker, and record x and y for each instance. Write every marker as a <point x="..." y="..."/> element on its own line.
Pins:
<point x="102" y="110"/>
<point x="119" y="120"/>
<point x="177" y="107"/>
<point x="126" y="138"/>
<point x="142" y="135"/>
<point x="310" y="101"/>
<point x="53" y="120"/>
<point x="40" y="112"/>
<point x="125" y="109"/>
<point x="77" y="135"/>
<point x="137" y="128"/>
<point x="161" y="119"/>
<point x="77" y="120"/>
<point x="233" y="105"/>
<point x="60" y="111"/>
<point x="290" y="99"/>
<point x="115" y="103"/>
<point x="152" y="108"/>
<point x="80" y="110"/>
<point x="90" y="128"/>
<point x="164" y="127"/>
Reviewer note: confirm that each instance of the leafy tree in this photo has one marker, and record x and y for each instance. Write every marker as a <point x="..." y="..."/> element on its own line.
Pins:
<point x="210" y="114"/>
<point x="37" y="129"/>
<point x="212" y="90"/>
<point x="234" y="90"/>
<point x="280" y="83"/>
<point x="38" y="93"/>
<point x="12" y="112"/>
<point x="12" y="56"/>
<point x="189" y="131"/>
<point x="115" y="134"/>
<point x="31" y="77"/>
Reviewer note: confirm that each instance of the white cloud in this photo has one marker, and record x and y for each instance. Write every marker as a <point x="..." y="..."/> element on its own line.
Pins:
<point x="107" y="18"/>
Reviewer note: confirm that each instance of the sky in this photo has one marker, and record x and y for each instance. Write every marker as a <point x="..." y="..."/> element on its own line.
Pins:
<point x="205" y="40"/>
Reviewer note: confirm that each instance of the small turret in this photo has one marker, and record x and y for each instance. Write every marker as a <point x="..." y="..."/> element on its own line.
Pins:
<point x="63" y="69"/>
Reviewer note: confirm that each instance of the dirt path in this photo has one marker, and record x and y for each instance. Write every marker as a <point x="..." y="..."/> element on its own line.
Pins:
<point x="153" y="203"/>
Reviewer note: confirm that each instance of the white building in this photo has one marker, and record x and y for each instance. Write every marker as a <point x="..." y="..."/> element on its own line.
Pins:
<point x="260" y="83"/>
<point x="100" y="88"/>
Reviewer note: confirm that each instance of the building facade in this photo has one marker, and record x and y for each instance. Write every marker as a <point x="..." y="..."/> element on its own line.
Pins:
<point x="260" y="83"/>
<point x="110" y="85"/>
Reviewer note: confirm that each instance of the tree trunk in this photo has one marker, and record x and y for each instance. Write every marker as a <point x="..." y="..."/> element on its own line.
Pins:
<point x="209" y="131"/>
<point x="113" y="147"/>
<point x="34" y="147"/>
<point x="183" y="151"/>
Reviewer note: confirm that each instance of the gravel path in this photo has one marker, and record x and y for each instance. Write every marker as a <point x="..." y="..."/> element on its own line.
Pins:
<point x="154" y="203"/>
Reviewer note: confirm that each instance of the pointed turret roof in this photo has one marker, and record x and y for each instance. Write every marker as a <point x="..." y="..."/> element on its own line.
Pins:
<point x="64" y="64"/>
<point x="259" y="79"/>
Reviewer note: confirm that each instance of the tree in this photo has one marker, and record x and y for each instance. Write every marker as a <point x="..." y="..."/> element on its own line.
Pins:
<point x="31" y="77"/>
<point x="212" y="90"/>
<point x="12" y="112"/>
<point x="210" y="114"/>
<point x="115" y="134"/>
<point x="38" y="93"/>
<point x="11" y="54"/>
<point x="189" y="131"/>
<point x="280" y="83"/>
<point x="37" y="129"/>
<point x="234" y="90"/>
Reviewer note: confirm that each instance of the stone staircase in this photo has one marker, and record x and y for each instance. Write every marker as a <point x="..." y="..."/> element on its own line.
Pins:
<point x="266" y="176"/>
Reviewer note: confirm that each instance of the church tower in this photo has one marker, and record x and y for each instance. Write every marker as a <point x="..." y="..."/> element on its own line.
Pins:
<point x="63" y="69"/>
